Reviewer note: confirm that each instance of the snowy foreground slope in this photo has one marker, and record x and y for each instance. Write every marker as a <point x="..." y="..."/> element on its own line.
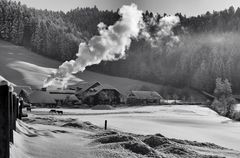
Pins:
<point x="49" y="137"/>
<point x="188" y="122"/>
<point x="73" y="135"/>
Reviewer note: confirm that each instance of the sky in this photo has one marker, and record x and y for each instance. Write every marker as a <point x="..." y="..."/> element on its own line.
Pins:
<point x="186" y="7"/>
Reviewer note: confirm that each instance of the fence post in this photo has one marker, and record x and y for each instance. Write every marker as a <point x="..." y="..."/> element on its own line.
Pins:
<point x="11" y="118"/>
<point x="105" y="127"/>
<point x="20" y="109"/>
<point x="15" y="104"/>
<point x="4" y="121"/>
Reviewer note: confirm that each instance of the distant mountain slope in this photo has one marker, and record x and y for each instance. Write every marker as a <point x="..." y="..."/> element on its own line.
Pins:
<point x="23" y="67"/>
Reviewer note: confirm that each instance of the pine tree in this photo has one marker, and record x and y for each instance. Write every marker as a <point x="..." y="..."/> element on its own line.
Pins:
<point x="224" y="101"/>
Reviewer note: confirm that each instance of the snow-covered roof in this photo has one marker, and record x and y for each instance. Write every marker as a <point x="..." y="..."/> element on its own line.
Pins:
<point x="77" y="85"/>
<point x="96" y="90"/>
<point x="89" y="85"/>
<point x="66" y="91"/>
<point x="41" y="97"/>
<point x="144" y="95"/>
<point x="71" y="97"/>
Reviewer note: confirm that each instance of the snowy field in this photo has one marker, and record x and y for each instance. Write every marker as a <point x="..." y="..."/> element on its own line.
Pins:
<point x="191" y="122"/>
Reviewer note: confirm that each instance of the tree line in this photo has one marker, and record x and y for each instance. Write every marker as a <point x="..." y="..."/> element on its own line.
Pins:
<point x="208" y="47"/>
<point x="53" y="34"/>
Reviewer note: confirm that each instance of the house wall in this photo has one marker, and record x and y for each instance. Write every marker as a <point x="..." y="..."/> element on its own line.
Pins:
<point x="106" y="96"/>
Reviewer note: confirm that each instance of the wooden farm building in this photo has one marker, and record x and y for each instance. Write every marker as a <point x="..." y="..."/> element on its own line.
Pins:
<point x="53" y="98"/>
<point x="143" y="97"/>
<point x="94" y="93"/>
<point x="42" y="99"/>
<point x="62" y="97"/>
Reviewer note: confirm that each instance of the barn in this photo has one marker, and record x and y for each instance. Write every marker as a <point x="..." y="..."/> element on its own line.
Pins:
<point x="103" y="94"/>
<point x="53" y="98"/>
<point x="82" y="88"/>
<point x="63" y="97"/>
<point x="94" y="93"/>
<point x="143" y="97"/>
<point x="42" y="99"/>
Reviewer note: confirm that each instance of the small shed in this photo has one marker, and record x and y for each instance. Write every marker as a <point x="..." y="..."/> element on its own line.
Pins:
<point x="143" y="97"/>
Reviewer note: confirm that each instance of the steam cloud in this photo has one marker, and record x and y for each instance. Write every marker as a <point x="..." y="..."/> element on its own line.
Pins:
<point x="162" y="33"/>
<point x="112" y="43"/>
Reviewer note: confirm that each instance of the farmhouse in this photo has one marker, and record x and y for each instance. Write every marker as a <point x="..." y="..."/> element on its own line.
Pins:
<point x="63" y="96"/>
<point x="143" y="97"/>
<point x="96" y="93"/>
<point x="53" y="98"/>
<point x="103" y="94"/>
<point x="42" y="99"/>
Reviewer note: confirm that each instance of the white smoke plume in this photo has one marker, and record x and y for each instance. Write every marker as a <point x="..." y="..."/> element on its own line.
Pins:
<point x="162" y="33"/>
<point x="112" y="43"/>
<point x="108" y="46"/>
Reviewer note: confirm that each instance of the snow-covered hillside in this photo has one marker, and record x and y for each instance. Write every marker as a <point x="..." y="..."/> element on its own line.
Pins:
<point x="23" y="67"/>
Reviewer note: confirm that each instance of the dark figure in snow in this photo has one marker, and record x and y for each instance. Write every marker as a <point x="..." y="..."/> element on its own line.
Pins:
<point x="52" y="111"/>
<point x="59" y="112"/>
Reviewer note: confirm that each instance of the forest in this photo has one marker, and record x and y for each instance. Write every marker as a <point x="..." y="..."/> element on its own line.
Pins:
<point x="208" y="49"/>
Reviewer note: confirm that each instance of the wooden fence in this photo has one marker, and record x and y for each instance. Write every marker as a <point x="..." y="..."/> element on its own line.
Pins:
<point x="10" y="111"/>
